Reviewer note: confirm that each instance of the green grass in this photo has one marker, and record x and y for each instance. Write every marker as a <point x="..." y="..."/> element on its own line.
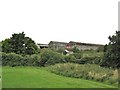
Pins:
<point x="35" y="77"/>
<point x="92" y="54"/>
<point x="86" y="71"/>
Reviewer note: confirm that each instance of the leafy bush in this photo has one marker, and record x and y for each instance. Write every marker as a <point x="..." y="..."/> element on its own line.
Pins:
<point x="31" y="60"/>
<point x="60" y="50"/>
<point x="86" y="71"/>
<point x="77" y="55"/>
<point x="76" y="50"/>
<point x="12" y="59"/>
<point x="90" y="60"/>
<point x="89" y="57"/>
<point x="49" y="57"/>
<point x="92" y="53"/>
<point x="70" y="58"/>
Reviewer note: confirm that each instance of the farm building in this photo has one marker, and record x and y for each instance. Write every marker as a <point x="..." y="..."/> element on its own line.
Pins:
<point x="42" y="46"/>
<point x="63" y="45"/>
<point x="57" y="45"/>
<point x="72" y="44"/>
<point x="84" y="46"/>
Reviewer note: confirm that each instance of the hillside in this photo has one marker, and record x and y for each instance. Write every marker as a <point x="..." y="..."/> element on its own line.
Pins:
<point x="35" y="77"/>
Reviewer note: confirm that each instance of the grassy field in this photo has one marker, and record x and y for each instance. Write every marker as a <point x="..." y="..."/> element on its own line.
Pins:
<point x="91" y="54"/>
<point x="35" y="77"/>
<point x="86" y="71"/>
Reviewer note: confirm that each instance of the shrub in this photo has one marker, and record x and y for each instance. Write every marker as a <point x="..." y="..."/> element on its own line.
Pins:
<point x="90" y="60"/>
<point x="60" y="50"/>
<point x="49" y="57"/>
<point x="113" y="80"/>
<point x="12" y="59"/>
<point x="70" y="58"/>
<point x="77" y="55"/>
<point x="76" y="50"/>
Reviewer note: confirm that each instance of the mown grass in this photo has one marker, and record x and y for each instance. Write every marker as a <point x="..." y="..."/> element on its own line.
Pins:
<point x="35" y="77"/>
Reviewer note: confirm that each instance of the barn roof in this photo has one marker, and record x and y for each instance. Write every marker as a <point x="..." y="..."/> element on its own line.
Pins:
<point x="80" y="43"/>
<point x="56" y="42"/>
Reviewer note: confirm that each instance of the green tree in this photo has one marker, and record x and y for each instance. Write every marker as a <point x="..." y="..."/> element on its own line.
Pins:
<point x="105" y="48"/>
<point x="19" y="44"/>
<point x="112" y="54"/>
<point x="6" y="47"/>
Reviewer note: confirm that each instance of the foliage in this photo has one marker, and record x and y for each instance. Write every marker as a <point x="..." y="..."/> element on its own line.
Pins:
<point x="86" y="71"/>
<point x="100" y="49"/>
<point x="91" y="53"/>
<point x="77" y="55"/>
<point x="37" y="77"/>
<point x="75" y="50"/>
<point x="12" y="59"/>
<point x="19" y="44"/>
<point x="89" y="57"/>
<point x="112" y="54"/>
<point x="105" y="48"/>
<point x="70" y="58"/>
<point x="60" y="50"/>
<point x="90" y="60"/>
<point x="49" y="57"/>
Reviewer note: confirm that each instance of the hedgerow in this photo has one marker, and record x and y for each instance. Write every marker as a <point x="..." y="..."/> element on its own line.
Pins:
<point x="46" y="57"/>
<point x="12" y="59"/>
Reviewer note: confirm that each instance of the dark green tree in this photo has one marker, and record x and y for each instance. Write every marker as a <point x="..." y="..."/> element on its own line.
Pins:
<point x="6" y="47"/>
<point x="105" y="48"/>
<point x="19" y="44"/>
<point x="112" y="52"/>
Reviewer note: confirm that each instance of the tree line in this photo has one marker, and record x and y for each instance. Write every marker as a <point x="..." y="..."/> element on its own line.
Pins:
<point x="22" y="45"/>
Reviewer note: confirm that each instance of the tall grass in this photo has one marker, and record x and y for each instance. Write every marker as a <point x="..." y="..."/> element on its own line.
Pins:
<point x="86" y="71"/>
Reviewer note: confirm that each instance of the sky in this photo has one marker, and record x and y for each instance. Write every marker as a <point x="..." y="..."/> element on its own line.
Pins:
<point x="88" y="21"/>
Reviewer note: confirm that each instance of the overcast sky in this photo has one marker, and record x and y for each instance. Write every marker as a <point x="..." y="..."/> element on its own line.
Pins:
<point x="89" y="21"/>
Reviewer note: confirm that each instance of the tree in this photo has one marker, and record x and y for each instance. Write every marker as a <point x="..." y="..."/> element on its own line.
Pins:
<point x="112" y="54"/>
<point x="105" y="48"/>
<point x="6" y="46"/>
<point x="19" y="44"/>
